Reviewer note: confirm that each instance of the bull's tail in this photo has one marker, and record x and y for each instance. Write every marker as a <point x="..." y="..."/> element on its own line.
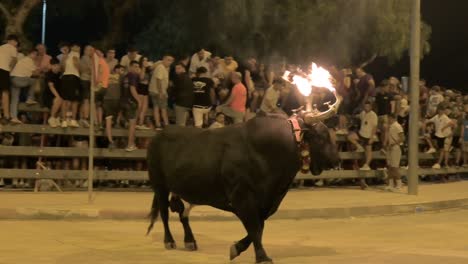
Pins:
<point x="154" y="213"/>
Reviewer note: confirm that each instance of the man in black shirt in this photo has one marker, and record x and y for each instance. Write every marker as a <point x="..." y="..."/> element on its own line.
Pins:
<point x="385" y="106"/>
<point x="51" y="97"/>
<point x="204" y="96"/>
<point x="183" y="94"/>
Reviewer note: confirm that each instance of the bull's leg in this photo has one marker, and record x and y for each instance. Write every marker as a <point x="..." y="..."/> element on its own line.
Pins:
<point x="248" y="213"/>
<point x="240" y="247"/>
<point x="183" y="208"/>
<point x="163" y="197"/>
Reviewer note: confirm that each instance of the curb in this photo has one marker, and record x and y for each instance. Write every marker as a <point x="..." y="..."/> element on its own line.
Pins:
<point x="287" y="214"/>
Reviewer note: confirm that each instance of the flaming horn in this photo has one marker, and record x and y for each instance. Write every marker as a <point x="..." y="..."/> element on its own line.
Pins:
<point x="318" y="77"/>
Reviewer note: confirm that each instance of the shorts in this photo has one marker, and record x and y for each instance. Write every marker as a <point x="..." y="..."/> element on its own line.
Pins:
<point x="364" y="141"/>
<point x="394" y="156"/>
<point x="198" y="115"/>
<point x="456" y="142"/>
<point x="465" y="146"/>
<point x="332" y="122"/>
<point x="383" y="122"/>
<point x="4" y="80"/>
<point x="85" y="89"/>
<point x="112" y="108"/>
<point x="70" y="88"/>
<point x="99" y="96"/>
<point x="160" y="103"/>
<point x="129" y="109"/>
<point x="443" y="143"/>
<point x="142" y="89"/>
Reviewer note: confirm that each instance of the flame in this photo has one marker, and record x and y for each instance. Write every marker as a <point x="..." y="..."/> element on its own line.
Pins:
<point x="317" y="77"/>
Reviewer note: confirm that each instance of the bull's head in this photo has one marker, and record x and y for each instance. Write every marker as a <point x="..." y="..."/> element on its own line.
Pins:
<point x="323" y="151"/>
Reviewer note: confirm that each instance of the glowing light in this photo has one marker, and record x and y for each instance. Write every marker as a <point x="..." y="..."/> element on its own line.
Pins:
<point x="317" y="77"/>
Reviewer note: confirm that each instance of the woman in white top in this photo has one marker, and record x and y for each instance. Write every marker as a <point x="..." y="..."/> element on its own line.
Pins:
<point x="8" y="55"/>
<point x="71" y="87"/>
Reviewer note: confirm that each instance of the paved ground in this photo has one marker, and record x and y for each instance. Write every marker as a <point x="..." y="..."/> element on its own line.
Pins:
<point x="422" y="238"/>
<point x="309" y="203"/>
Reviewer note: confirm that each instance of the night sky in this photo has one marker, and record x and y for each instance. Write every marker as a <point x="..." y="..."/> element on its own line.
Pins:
<point x="447" y="62"/>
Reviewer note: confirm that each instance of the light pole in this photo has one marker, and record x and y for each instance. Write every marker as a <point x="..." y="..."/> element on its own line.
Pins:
<point x="415" y="50"/>
<point x="44" y="15"/>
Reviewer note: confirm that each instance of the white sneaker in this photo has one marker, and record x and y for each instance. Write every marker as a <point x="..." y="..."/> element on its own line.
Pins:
<point x="360" y="149"/>
<point x="436" y="166"/>
<point x="431" y="151"/>
<point x="365" y="168"/>
<point x="2" y="183"/>
<point x="15" y="121"/>
<point x="31" y="102"/>
<point x="84" y="123"/>
<point x="131" y="148"/>
<point x="64" y="124"/>
<point x="53" y="122"/>
<point x="73" y="123"/>
<point x="84" y="184"/>
<point x="319" y="183"/>
<point x="142" y="127"/>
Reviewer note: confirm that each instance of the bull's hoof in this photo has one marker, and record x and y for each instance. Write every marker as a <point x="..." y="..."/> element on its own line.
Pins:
<point x="233" y="252"/>
<point x="170" y="245"/>
<point x="191" y="246"/>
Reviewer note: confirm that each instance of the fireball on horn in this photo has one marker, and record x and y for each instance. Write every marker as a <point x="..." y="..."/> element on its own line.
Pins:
<point x="305" y="82"/>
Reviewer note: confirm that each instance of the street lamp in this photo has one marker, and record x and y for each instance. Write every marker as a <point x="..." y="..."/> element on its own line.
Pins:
<point x="44" y="14"/>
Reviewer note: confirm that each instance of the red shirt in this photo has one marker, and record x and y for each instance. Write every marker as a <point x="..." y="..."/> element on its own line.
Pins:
<point x="239" y="97"/>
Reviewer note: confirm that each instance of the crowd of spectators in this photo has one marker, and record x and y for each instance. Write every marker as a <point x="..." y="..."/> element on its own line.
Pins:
<point x="208" y="91"/>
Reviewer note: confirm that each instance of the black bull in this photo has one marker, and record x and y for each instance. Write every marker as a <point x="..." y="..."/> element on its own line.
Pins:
<point x="245" y="169"/>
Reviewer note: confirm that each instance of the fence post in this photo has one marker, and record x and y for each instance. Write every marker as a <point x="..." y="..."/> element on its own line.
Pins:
<point x="91" y="141"/>
<point x="415" y="51"/>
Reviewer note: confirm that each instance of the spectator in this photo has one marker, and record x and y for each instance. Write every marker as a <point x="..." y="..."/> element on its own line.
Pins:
<point x="158" y="89"/>
<point x="385" y="106"/>
<point x="366" y="134"/>
<point x="365" y="86"/>
<point x="8" y="58"/>
<point x="199" y="59"/>
<point x="228" y="65"/>
<point x="443" y="135"/>
<point x="21" y="77"/>
<point x="183" y="95"/>
<point x="234" y="107"/>
<point x="219" y="122"/>
<point x="457" y="119"/>
<point x="396" y="138"/>
<point x="344" y="78"/>
<point x="100" y="78"/>
<point x="130" y="102"/>
<point x="423" y="96"/>
<point x="110" y="59"/>
<point x="51" y="97"/>
<point x="270" y="101"/>
<point x="435" y="99"/>
<point x="71" y="87"/>
<point x="204" y="96"/>
<point x="64" y="50"/>
<point x="113" y="101"/>
<point x="132" y="55"/>
<point x="86" y="72"/>
<point x="143" y="92"/>
<point x="42" y="60"/>
<point x="464" y="134"/>
<point x="403" y="112"/>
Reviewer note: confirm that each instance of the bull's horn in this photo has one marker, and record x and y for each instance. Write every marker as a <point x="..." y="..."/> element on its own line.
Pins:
<point x="312" y="118"/>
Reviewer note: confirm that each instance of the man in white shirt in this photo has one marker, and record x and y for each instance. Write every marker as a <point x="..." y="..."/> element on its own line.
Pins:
<point x="443" y="135"/>
<point x="199" y="59"/>
<point x="270" y="100"/>
<point x="21" y="77"/>
<point x="132" y="55"/>
<point x="158" y="89"/>
<point x="434" y="100"/>
<point x="8" y="56"/>
<point x="366" y="135"/>
<point x="396" y="137"/>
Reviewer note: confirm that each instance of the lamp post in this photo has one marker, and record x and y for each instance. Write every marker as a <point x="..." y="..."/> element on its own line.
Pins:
<point x="44" y="15"/>
<point x="415" y="50"/>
